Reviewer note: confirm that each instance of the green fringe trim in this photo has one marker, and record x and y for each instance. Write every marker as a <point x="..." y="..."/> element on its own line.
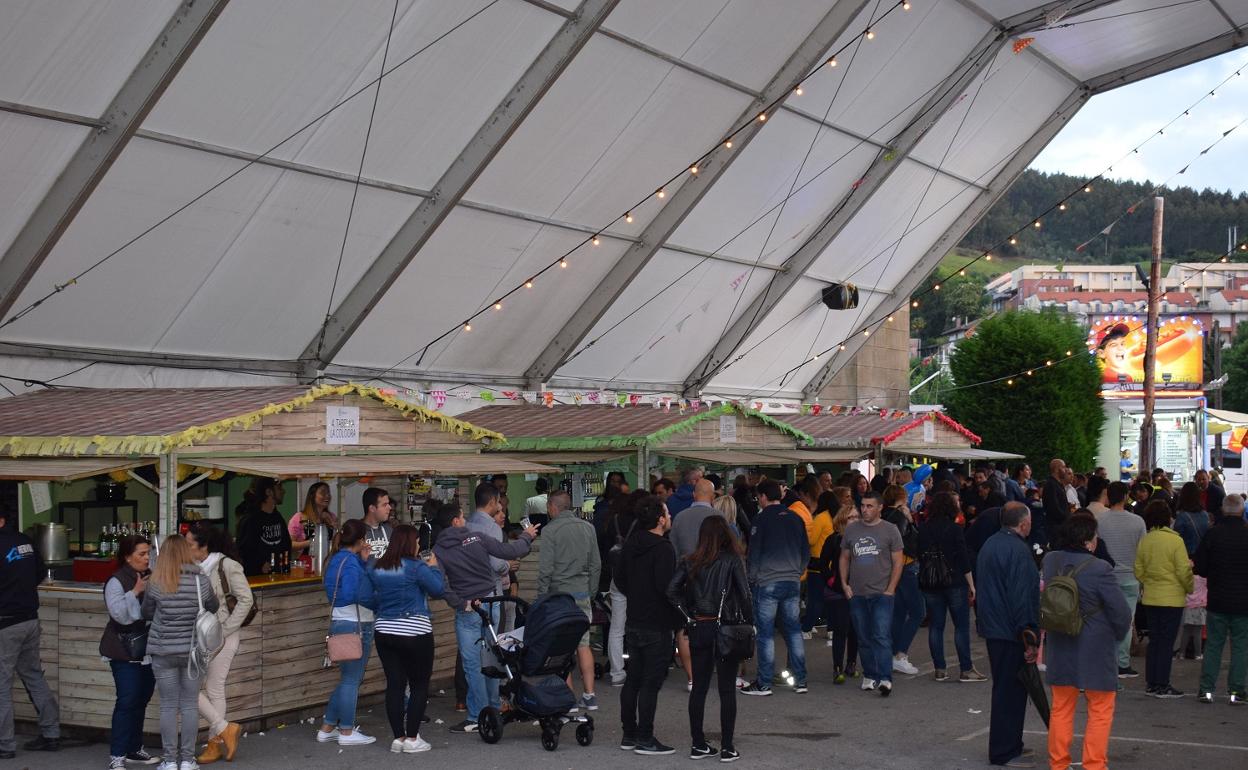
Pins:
<point x="587" y="443"/>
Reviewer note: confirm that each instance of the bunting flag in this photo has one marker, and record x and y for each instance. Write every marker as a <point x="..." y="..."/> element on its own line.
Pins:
<point x="437" y="398"/>
<point x="695" y="404"/>
<point x="667" y="404"/>
<point x="595" y="397"/>
<point x="1021" y="43"/>
<point x="512" y="395"/>
<point x="548" y="398"/>
<point x="634" y="399"/>
<point x="682" y="405"/>
<point x="486" y="396"/>
<point x="577" y="398"/>
<point x="621" y="399"/>
<point x="816" y="409"/>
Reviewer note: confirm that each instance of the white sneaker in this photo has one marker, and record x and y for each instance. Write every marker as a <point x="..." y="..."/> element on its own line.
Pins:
<point x="325" y="737"/>
<point x="829" y="636"/>
<point x="396" y="746"/>
<point x="416" y="745"/>
<point x="869" y="684"/>
<point x="902" y="663"/>
<point x="188" y="764"/>
<point x="742" y="682"/>
<point x="167" y="765"/>
<point x="808" y="635"/>
<point x="355" y="738"/>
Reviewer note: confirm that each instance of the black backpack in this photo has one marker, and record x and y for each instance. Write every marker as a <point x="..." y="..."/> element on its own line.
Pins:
<point x="935" y="573"/>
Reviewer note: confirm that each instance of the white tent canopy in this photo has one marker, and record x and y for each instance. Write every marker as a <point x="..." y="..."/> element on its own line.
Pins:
<point x="522" y="128"/>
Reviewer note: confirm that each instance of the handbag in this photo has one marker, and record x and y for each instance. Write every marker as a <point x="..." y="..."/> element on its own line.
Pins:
<point x="935" y="573"/>
<point x="733" y="639"/>
<point x="207" y="638"/>
<point x="343" y="648"/>
<point x="134" y="643"/>
<point x="231" y="601"/>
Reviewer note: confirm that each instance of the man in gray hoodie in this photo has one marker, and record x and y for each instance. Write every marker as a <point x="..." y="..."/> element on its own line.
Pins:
<point x="569" y="563"/>
<point x="467" y="559"/>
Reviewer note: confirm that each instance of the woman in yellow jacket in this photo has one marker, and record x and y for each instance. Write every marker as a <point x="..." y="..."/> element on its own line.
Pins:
<point x="1165" y="575"/>
<point x="817" y="533"/>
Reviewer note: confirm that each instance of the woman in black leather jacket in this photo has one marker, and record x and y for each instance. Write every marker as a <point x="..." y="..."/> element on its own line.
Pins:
<point x="713" y="576"/>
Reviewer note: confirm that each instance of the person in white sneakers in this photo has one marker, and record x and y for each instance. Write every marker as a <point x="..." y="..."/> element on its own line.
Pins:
<point x="871" y="565"/>
<point x="353" y="601"/>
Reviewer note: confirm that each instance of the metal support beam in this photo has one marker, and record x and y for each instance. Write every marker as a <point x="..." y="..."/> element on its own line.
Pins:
<point x="455" y="181"/>
<point x="1132" y="73"/>
<point x="948" y="93"/>
<point x="93" y="158"/>
<point x="950" y="238"/>
<point x="809" y="55"/>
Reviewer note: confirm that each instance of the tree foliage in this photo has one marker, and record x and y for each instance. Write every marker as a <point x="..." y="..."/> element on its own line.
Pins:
<point x="1235" y="366"/>
<point x="959" y="297"/>
<point x="1054" y="412"/>
<point x="1196" y="221"/>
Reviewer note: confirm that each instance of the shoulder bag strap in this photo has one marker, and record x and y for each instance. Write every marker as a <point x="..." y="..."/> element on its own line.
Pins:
<point x="225" y="586"/>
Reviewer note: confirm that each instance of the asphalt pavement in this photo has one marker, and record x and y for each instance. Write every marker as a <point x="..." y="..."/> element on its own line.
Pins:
<point x="924" y="724"/>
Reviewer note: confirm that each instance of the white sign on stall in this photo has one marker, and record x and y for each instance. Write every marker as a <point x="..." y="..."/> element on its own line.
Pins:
<point x="929" y="432"/>
<point x="727" y="429"/>
<point x="40" y="496"/>
<point x="342" y="425"/>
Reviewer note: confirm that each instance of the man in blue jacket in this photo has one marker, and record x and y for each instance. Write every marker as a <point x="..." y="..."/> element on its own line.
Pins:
<point x="1008" y="617"/>
<point x="682" y="498"/>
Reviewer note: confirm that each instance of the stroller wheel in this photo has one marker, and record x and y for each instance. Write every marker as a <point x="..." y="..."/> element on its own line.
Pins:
<point x="550" y="740"/>
<point x="599" y="670"/>
<point x="491" y="725"/>
<point x="585" y="733"/>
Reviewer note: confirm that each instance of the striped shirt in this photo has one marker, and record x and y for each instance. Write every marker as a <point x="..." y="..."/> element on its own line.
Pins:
<point x="1121" y="531"/>
<point x="411" y="625"/>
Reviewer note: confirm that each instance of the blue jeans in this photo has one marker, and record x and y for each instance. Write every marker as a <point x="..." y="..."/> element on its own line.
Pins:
<point x="340" y="710"/>
<point x="774" y="601"/>
<point x="873" y="620"/>
<point x="955" y="602"/>
<point x="908" y="609"/>
<point x="135" y="684"/>
<point x="469" y="634"/>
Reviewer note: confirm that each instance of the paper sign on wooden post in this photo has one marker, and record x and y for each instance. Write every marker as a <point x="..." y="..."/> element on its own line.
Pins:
<point x="40" y="496"/>
<point x="342" y="425"/>
<point x="727" y="429"/>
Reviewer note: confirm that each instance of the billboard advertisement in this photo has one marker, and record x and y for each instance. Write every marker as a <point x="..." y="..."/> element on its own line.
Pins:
<point x="1118" y="344"/>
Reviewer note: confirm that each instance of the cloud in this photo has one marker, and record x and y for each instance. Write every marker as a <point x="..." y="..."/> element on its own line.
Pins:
<point x="1113" y="123"/>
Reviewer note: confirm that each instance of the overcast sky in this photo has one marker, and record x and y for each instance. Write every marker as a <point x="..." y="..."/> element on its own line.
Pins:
<point x="1115" y="122"/>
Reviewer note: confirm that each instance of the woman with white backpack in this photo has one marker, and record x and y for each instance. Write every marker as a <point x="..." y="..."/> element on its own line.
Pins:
<point x="218" y="557"/>
<point x="175" y="596"/>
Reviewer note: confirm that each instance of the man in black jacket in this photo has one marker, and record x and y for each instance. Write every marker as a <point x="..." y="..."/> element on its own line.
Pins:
<point x="21" y="572"/>
<point x="649" y="561"/>
<point x="263" y="535"/>
<point x="1222" y="559"/>
<point x="1053" y="495"/>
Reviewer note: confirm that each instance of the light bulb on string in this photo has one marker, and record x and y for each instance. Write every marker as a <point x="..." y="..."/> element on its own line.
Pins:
<point x="467" y="326"/>
<point x="890" y="319"/>
<point x="1013" y="241"/>
<point x="866" y="332"/>
<point x="528" y="284"/>
<point x="798" y="91"/>
<point x="987" y="257"/>
<point x="1009" y="382"/>
<point x="693" y="169"/>
<point x="498" y="306"/>
<point x="728" y="144"/>
<point x="1087" y="188"/>
<point x="832" y="62"/>
<point x="842" y="347"/>
<point x="628" y="217"/>
<point x="936" y="287"/>
<point x="596" y="241"/>
<point x="1036" y="224"/>
<point x="870" y="34"/>
<point x="762" y="116"/>
<point x="905" y="5"/>
<point x="914" y="303"/>
<point x="660" y="193"/>
<point x="1061" y="207"/>
<point x="1048" y="363"/>
<point x="962" y="272"/>
<point x="563" y="263"/>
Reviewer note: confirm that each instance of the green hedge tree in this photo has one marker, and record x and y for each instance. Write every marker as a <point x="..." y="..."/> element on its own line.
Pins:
<point x="1053" y="412"/>
<point x="1235" y="366"/>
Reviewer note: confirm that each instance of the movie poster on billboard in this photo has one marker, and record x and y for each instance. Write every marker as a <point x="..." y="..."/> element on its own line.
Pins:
<point x="1118" y="343"/>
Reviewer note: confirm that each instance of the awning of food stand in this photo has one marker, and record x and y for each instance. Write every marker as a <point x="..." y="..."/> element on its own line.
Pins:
<point x="331" y="466"/>
<point x="954" y="453"/>
<point x="729" y="457"/>
<point x="1222" y="420"/>
<point x="564" y="458"/>
<point x="64" y="468"/>
<point x="819" y="455"/>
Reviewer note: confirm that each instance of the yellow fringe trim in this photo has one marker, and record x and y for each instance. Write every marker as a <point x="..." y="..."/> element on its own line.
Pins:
<point x="157" y="445"/>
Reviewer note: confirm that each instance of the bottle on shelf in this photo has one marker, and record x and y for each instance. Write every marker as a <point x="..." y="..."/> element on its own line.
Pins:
<point x="101" y="546"/>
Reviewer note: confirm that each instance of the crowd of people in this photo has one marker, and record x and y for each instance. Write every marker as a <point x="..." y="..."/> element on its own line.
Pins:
<point x="1068" y="574"/>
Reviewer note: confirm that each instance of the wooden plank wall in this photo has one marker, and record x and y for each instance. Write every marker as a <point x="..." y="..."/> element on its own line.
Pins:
<point x="751" y="433"/>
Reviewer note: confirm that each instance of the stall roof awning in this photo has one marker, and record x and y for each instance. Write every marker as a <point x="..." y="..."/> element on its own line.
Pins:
<point x="374" y="465"/>
<point x="1225" y="415"/>
<point x="564" y="458"/>
<point x="63" y="468"/>
<point x="954" y="453"/>
<point x="729" y="457"/>
<point x="820" y="455"/>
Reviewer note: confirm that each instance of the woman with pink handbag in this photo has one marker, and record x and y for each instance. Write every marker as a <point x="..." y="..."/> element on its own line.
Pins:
<point x="350" y="639"/>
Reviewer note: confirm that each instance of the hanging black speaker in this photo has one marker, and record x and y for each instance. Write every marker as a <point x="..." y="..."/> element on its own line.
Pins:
<point x="841" y="296"/>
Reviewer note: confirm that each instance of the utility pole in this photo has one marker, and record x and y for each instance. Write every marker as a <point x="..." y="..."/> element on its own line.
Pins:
<point x="1148" y="430"/>
<point x="1215" y="339"/>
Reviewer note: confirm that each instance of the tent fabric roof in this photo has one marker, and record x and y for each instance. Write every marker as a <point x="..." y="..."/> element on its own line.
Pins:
<point x="912" y="137"/>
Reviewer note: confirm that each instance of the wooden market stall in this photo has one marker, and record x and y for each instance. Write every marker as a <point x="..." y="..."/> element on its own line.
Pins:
<point x="727" y="435"/>
<point x="894" y="435"/>
<point x="283" y="432"/>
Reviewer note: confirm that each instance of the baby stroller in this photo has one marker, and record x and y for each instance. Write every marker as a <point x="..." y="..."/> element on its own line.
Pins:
<point x="534" y="661"/>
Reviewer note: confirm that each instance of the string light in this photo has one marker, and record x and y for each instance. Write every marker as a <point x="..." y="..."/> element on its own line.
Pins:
<point x="962" y="272"/>
<point x="1036" y="224"/>
<point x="987" y="257"/>
<point x="798" y="91"/>
<point x="1009" y="382"/>
<point x="1061" y="207"/>
<point x="528" y="284"/>
<point x="936" y="287"/>
<point x="832" y="62"/>
<point x="596" y="241"/>
<point x="1013" y="241"/>
<point x="762" y="116"/>
<point x="563" y="262"/>
<point x="866" y="332"/>
<point x="905" y="5"/>
<point x="498" y="306"/>
<point x="890" y="319"/>
<point x="842" y="347"/>
<point x="914" y="303"/>
<point x="467" y="326"/>
<point x="628" y="217"/>
<point x="728" y="144"/>
<point x="1087" y="188"/>
<point x="661" y="193"/>
<point x="1048" y="363"/>
<point x="693" y="169"/>
<point x="870" y="34"/>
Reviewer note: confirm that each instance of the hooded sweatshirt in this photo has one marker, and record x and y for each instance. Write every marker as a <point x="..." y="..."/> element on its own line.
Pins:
<point x="464" y="556"/>
<point x="648" y="563"/>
